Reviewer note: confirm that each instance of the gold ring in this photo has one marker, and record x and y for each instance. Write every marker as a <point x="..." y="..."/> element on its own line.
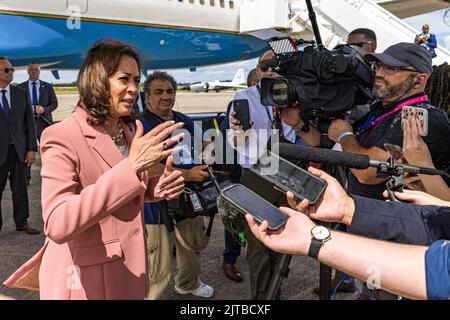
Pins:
<point x="164" y="145"/>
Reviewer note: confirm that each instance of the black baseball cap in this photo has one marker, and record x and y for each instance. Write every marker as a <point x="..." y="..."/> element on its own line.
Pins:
<point x="404" y="55"/>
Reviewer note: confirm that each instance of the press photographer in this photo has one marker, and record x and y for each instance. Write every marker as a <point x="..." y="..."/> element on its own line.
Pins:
<point x="160" y="93"/>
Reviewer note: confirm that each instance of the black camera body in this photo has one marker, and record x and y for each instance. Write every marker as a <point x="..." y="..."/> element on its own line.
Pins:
<point x="325" y="83"/>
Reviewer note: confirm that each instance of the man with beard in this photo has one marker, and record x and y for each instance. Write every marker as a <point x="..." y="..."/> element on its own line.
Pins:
<point x="402" y="71"/>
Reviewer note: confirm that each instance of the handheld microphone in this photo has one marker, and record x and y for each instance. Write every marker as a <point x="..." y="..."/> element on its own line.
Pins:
<point x="351" y="160"/>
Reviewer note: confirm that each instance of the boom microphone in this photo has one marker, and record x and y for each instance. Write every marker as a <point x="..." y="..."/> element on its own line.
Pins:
<point x="351" y="160"/>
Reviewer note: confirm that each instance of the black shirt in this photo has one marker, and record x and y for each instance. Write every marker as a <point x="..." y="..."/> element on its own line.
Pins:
<point x="390" y="131"/>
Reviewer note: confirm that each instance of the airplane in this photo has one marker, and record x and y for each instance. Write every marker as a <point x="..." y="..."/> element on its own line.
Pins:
<point x="238" y="82"/>
<point x="169" y="33"/>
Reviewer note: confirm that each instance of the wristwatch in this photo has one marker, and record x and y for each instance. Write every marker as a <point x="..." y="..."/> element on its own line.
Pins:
<point x="319" y="235"/>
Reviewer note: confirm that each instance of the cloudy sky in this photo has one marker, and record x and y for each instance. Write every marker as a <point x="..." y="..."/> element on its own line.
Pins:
<point x="226" y="71"/>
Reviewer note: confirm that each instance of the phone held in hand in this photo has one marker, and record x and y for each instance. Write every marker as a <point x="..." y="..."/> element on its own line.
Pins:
<point x="241" y="108"/>
<point x="289" y="177"/>
<point x="246" y="201"/>
<point x="421" y="116"/>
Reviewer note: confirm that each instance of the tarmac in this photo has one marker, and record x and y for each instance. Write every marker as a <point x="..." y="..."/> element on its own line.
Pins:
<point x="17" y="247"/>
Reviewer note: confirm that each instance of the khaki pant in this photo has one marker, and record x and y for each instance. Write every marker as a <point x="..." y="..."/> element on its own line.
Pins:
<point x="160" y="243"/>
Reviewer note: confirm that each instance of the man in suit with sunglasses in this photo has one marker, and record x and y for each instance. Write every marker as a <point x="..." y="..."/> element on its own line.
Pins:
<point x="17" y="144"/>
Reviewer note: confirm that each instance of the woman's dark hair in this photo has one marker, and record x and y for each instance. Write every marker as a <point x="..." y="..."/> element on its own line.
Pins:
<point x="102" y="61"/>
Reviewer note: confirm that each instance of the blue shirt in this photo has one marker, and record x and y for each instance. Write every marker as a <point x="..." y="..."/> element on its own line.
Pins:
<point x="184" y="160"/>
<point x="437" y="270"/>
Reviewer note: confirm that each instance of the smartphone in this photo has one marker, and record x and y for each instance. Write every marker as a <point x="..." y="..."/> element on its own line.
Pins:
<point x="242" y="112"/>
<point x="421" y="116"/>
<point x="395" y="151"/>
<point x="249" y="202"/>
<point x="289" y="177"/>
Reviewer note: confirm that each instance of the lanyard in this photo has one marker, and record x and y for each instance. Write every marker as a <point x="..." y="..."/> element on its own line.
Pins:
<point x="376" y="122"/>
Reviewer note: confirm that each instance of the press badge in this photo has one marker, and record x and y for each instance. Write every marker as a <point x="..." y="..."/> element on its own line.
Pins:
<point x="195" y="202"/>
<point x="185" y="155"/>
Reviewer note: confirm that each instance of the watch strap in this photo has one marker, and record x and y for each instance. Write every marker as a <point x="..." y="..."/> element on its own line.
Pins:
<point x="314" y="248"/>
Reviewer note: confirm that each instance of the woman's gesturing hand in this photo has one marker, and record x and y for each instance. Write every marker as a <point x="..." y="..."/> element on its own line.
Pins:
<point x="171" y="183"/>
<point x="149" y="149"/>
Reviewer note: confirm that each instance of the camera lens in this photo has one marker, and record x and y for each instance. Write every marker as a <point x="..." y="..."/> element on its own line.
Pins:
<point x="280" y="93"/>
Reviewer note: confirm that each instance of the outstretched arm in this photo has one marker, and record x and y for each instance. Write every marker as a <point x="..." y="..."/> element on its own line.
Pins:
<point x="397" y="268"/>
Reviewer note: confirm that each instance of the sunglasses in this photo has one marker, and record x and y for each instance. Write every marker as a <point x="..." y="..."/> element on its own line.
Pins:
<point x="7" y="70"/>
<point x="359" y="44"/>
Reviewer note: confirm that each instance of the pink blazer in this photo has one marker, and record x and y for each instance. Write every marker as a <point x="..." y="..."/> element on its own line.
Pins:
<point x="92" y="204"/>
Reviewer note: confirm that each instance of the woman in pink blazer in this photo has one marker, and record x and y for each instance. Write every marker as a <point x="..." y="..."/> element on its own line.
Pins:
<point x="94" y="183"/>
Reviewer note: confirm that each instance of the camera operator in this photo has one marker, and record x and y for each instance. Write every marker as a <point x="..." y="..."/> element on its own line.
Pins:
<point x="261" y="260"/>
<point x="401" y="75"/>
<point x="367" y="40"/>
<point x="364" y="38"/>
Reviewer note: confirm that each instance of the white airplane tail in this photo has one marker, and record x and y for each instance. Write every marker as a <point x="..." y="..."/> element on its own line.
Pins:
<point x="239" y="77"/>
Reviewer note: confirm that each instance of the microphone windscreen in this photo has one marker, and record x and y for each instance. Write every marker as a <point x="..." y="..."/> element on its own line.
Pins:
<point x="351" y="160"/>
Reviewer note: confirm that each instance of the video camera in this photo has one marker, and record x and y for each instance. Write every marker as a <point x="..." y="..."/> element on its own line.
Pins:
<point x="325" y="83"/>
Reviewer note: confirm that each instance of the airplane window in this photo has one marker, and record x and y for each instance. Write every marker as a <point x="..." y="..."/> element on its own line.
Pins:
<point x="212" y="3"/>
<point x="231" y="4"/>
<point x="222" y="3"/>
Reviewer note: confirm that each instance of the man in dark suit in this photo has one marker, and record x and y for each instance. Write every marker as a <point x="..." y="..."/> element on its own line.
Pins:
<point x="43" y="101"/>
<point x="17" y="144"/>
<point x="42" y="97"/>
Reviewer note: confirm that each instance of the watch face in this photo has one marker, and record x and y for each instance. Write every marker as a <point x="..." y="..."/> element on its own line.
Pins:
<point x="320" y="232"/>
